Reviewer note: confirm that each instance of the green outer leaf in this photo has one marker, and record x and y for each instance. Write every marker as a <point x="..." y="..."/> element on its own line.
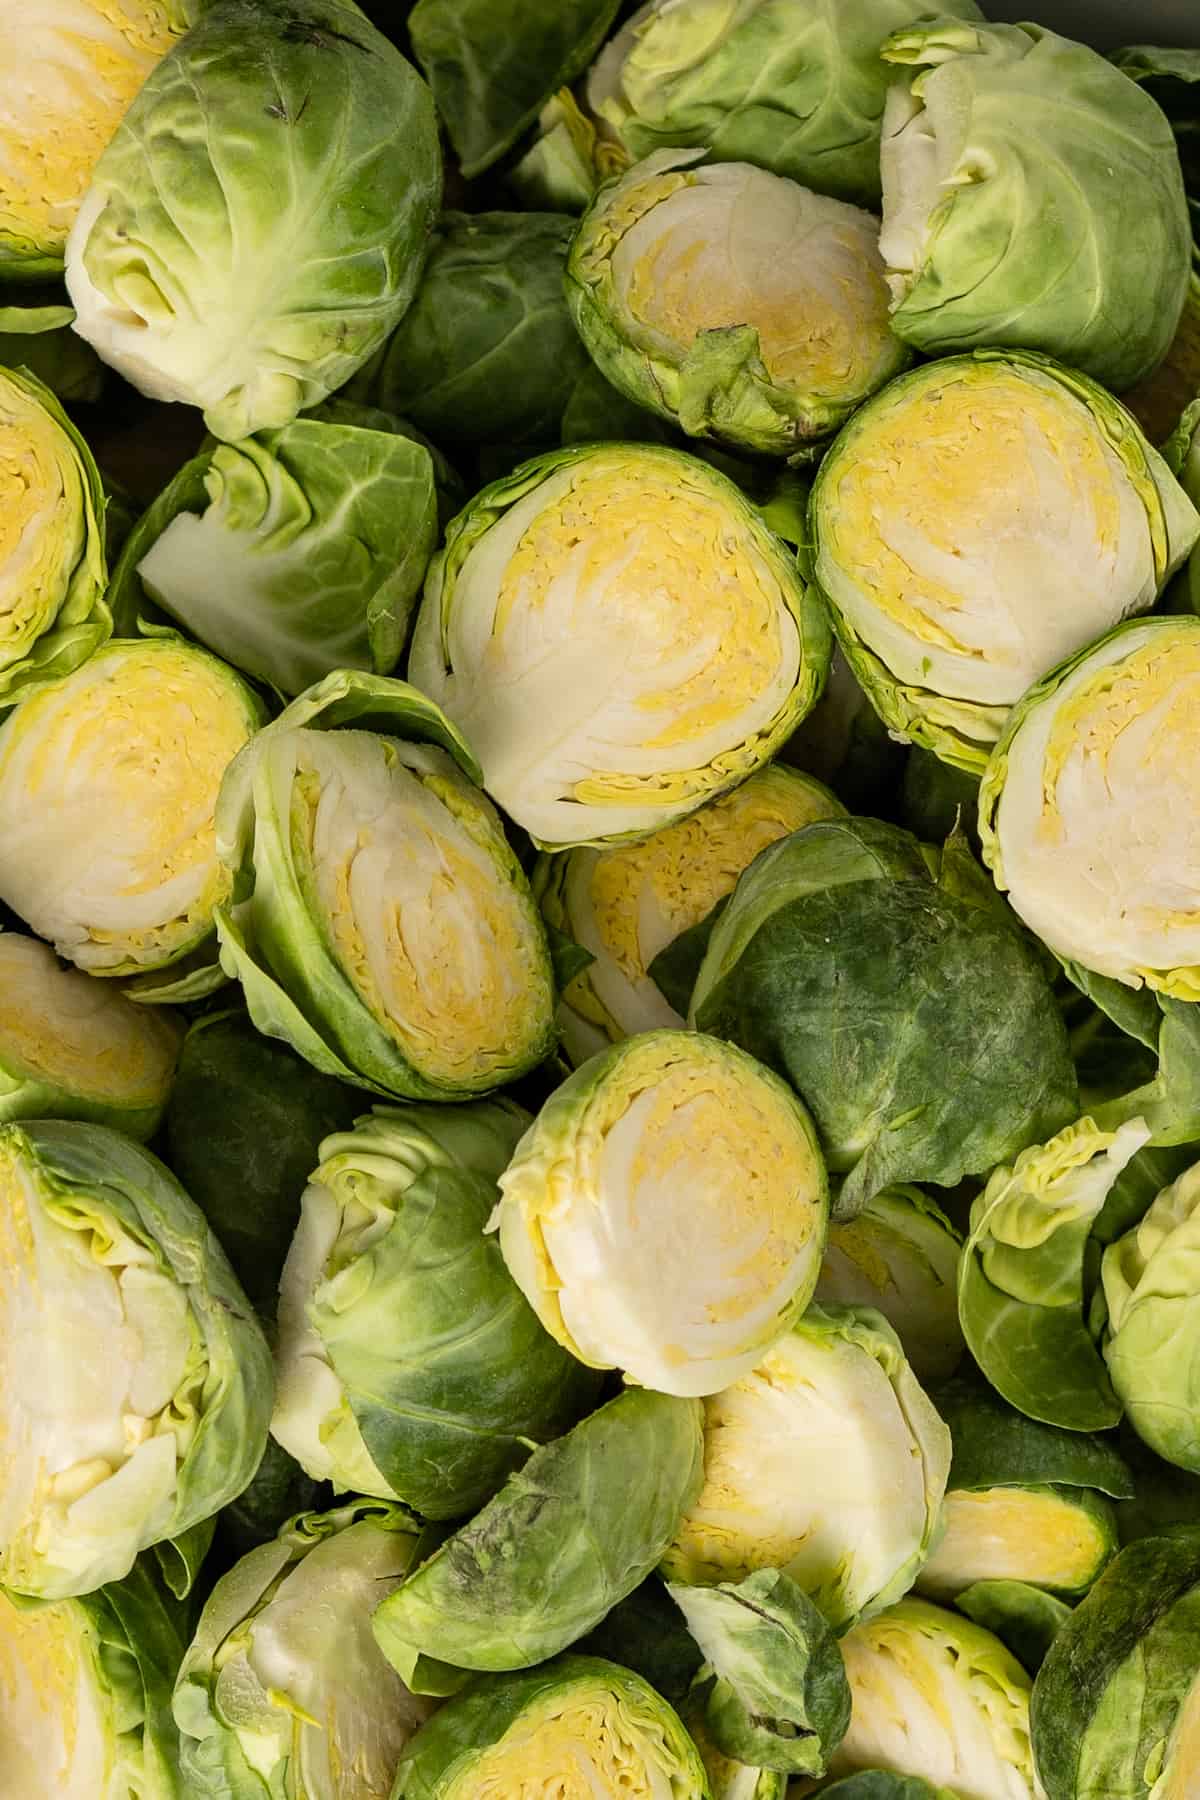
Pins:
<point x="884" y="1784"/>
<point x="997" y="1446"/>
<point x="1021" y="1293"/>
<point x="1109" y="1691"/>
<point x="841" y="962"/>
<point x="262" y="212"/>
<point x="243" y="1130"/>
<point x="796" y="89"/>
<point x="570" y="1534"/>
<point x="1046" y="120"/>
<point x="181" y="1558"/>
<point x="448" y="1372"/>
<point x="962" y="733"/>
<point x="1025" y="1618"/>
<point x="491" y="80"/>
<point x="487" y="352"/>
<point x="439" y="1762"/>
<point x="432" y="670"/>
<point x="80" y="621"/>
<point x="139" y="1638"/>
<point x="125" y="1180"/>
<point x="39" y="340"/>
<point x="780" y="1699"/>
<point x="328" y="528"/>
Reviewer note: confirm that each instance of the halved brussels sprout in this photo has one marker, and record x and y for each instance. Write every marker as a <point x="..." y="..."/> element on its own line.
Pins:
<point x="574" y="1531"/>
<point x="1049" y="1537"/>
<point x="1151" y="1282"/>
<point x="900" y="1256"/>
<point x="292" y="554"/>
<point x="1087" y="811"/>
<point x="486" y="353"/>
<point x="665" y="1214"/>
<point x="1116" y="1705"/>
<point x="52" y="561"/>
<point x="620" y="638"/>
<point x="938" y="1697"/>
<point x="733" y="302"/>
<point x="85" y="1694"/>
<point x="578" y="1726"/>
<point x="774" y="1683"/>
<point x="728" y="1779"/>
<point x="138" y="1385"/>
<point x="1008" y="123"/>
<point x="1021" y="1284"/>
<point x="836" y="1401"/>
<point x="108" y="791"/>
<point x="896" y="992"/>
<point x="409" y="1365"/>
<point x="71" y="1048"/>
<point x="976" y="522"/>
<point x="791" y="85"/>
<point x="379" y="922"/>
<point x="251" y="271"/>
<point x="283" y="1689"/>
<point x="627" y="903"/>
<point x="91" y="58"/>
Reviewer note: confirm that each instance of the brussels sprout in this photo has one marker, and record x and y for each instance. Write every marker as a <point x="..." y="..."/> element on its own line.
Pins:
<point x="577" y="1725"/>
<point x="1116" y="1705"/>
<point x="85" y="1694"/>
<point x="732" y="301"/>
<point x="573" y="1532"/>
<point x="39" y="340"/>
<point x="107" y="833"/>
<point x="73" y="1049"/>
<point x="293" y="554"/>
<point x="938" y="799"/>
<point x="91" y="57"/>
<point x="490" y="85"/>
<point x="619" y="637"/>
<point x="780" y="1698"/>
<point x="1152" y="1291"/>
<point x="976" y="522"/>
<point x="52" y="563"/>
<point x="795" y="86"/>
<point x="224" y="257"/>
<point x="1101" y="874"/>
<point x="243" y="1128"/>
<point x="728" y="1779"/>
<point x="138" y="1385"/>
<point x="409" y="1365"/>
<point x="897" y="996"/>
<point x="487" y="352"/>
<point x="1021" y="1293"/>
<point x="1025" y="1619"/>
<point x="284" y="1691"/>
<point x="666" y="1140"/>
<point x="936" y="1696"/>
<point x="628" y="903"/>
<point x="380" y="923"/>
<point x="828" y="1462"/>
<point x="901" y="1256"/>
<point x="1011" y="122"/>
<point x="645" y="1632"/>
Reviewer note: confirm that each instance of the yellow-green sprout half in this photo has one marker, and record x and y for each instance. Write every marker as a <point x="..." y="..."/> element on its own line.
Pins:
<point x="1050" y="1537"/>
<point x="85" y="1694"/>
<point x="74" y="1048"/>
<point x="1088" y="807"/>
<point x="827" y="1461"/>
<point x="108" y="791"/>
<point x="627" y="902"/>
<point x="619" y="637"/>
<point x="736" y="303"/>
<point x="52" y="564"/>
<point x="68" y="71"/>
<point x="665" y="1213"/>
<point x="137" y="1383"/>
<point x="980" y="520"/>
<point x="937" y="1696"/>
<point x="381" y="924"/>
<point x="575" y="1729"/>
<point x="900" y="1255"/>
